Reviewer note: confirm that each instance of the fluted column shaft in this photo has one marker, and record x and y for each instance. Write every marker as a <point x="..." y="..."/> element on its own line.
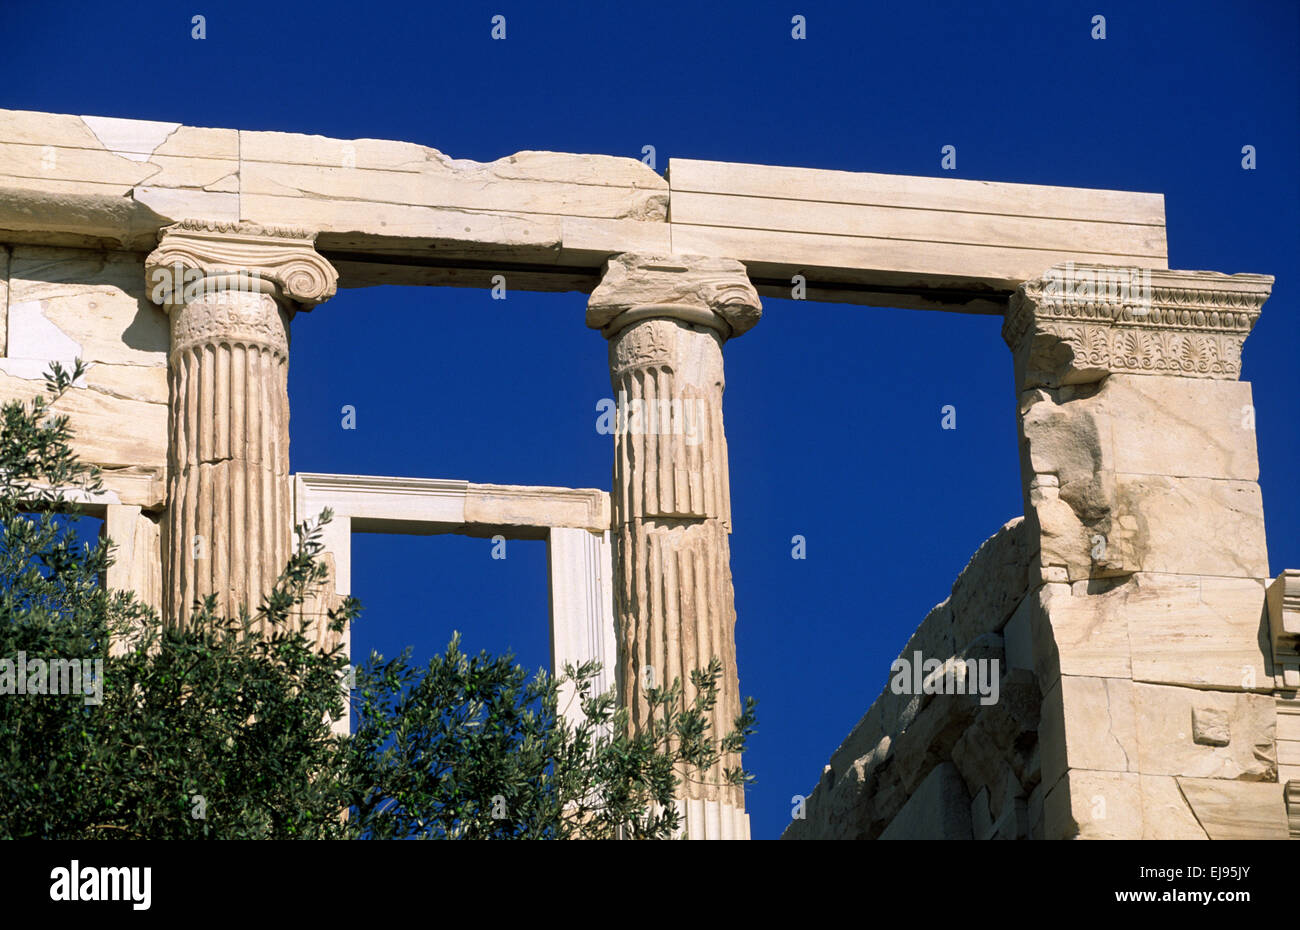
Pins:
<point x="675" y="601"/>
<point x="228" y="496"/>
<point x="230" y="291"/>
<point x="666" y="320"/>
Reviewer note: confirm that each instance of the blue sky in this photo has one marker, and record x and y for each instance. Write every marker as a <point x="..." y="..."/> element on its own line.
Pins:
<point x="833" y="411"/>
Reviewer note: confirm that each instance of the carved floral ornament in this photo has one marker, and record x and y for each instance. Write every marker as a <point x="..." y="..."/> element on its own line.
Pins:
<point x="196" y="257"/>
<point x="1133" y="321"/>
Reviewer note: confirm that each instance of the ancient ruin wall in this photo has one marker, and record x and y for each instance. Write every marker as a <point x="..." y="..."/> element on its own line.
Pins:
<point x="1150" y="667"/>
<point x="60" y="304"/>
<point x="946" y="766"/>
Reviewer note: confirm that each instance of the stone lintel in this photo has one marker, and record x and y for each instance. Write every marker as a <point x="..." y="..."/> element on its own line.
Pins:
<point x="508" y="506"/>
<point x="704" y="291"/>
<point x="199" y="256"/>
<point x="376" y="503"/>
<point x="1078" y="323"/>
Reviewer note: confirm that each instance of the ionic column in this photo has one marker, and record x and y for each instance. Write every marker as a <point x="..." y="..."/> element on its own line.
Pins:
<point x="230" y="290"/>
<point x="666" y="320"/>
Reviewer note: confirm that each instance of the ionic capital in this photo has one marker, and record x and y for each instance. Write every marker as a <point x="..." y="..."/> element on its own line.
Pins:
<point x="198" y="257"/>
<point x="703" y="291"/>
<point x="1079" y="323"/>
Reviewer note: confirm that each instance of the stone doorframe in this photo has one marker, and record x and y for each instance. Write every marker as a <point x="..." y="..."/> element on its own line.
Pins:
<point x="574" y="522"/>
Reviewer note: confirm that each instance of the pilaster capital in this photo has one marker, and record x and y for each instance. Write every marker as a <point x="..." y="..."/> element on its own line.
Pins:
<point x="196" y="257"/>
<point x="1079" y="323"/>
<point x="712" y="292"/>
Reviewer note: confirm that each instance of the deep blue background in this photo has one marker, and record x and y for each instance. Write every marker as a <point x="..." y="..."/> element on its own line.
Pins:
<point x="832" y="410"/>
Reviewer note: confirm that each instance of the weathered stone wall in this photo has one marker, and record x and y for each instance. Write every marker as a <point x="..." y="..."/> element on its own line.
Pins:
<point x="1146" y="669"/>
<point x="945" y="766"/>
<point x="60" y="304"/>
<point x="1148" y="622"/>
<point x="1142" y="707"/>
<point x="1148" y="626"/>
